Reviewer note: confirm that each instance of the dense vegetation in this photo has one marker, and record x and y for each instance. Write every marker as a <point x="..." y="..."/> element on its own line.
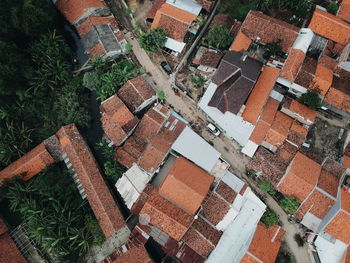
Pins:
<point x="266" y="187"/>
<point x="270" y="218"/>
<point x="290" y="204"/>
<point x="311" y="99"/>
<point x="154" y="40"/>
<point x="54" y="214"/>
<point x="38" y="92"/>
<point x="108" y="76"/>
<point x="218" y="36"/>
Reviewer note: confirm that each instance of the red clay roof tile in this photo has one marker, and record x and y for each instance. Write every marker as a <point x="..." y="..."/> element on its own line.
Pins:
<point x="260" y="94"/>
<point x="9" y="253"/>
<point x="3" y="227"/>
<point x="323" y="79"/>
<point x="330" y="26"/>
<point x="344" y="10"/>
<point x="214" y="208"/>
<point x="197" y="242"/>
<point x="328" y="62"/>
<point x="299" y="110"/>
<point x="264" y="245"/>
<point x="135" y="253"/>
<point x="186" y="185"/>
<point x="301" y="177"/>
<point x="241" y="42"/>
<point x="293" y="64"/>
<point x="269" y="111"/>
<point x="328" y="182"/>
<point x="135" y="92"/>
<point x="269" y="29"/>
<point x="339" y="227"/>
<point x="29" y="164"/>
<point x="279" y="129"/>
<point x="226" y="192"/>
<point x="98" y="195"/>
<point x="167" y="217"/>
<point x="206" y="230"/>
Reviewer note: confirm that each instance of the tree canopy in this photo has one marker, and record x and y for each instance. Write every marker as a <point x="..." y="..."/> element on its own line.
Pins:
<point x="154" y="40"/>
<point x="290" y="204"/>
<point x="269" y="218"/>
<point x="311" y="99"/>
<point x="218" y="36"/>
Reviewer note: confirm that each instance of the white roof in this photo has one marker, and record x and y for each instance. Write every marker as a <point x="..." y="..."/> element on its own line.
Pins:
<point x="303" y="40"/>
<point x="311" y="221"/>
<point x="174" y="44"/>
<point x="233" y="125"/>
<point x="131" y="184"/>
<point x="190" y="145"/>
<point x="233" y="181"/>
<point x="236" y="239"/>
<point x="190" y="6"/>
<point x="328" y="251"/>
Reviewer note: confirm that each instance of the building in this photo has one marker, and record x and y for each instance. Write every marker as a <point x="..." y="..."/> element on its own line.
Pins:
<point x="117" y="121"/>
<point x="9" y="252"/>
<point x="78" y="156"/>
<point x="96" y="27"/>
<point x="137" y="93"/>
<point x="28" y="165"/>
<point x="177" y="18"/>
<point x="206" y="61"/>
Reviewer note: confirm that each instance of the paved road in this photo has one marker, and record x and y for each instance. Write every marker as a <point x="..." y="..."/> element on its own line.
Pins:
<point x="229" y="149"/>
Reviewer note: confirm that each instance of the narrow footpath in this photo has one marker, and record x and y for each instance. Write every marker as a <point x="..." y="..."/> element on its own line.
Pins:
<point x="230" y="150"/>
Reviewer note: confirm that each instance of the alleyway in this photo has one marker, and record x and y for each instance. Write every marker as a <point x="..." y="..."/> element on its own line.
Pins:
<point x="230" y="150"/>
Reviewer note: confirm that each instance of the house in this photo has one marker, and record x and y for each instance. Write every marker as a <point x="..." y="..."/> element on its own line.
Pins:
<point x="206" y="60"/>
<point x="300" y="178"/>
<point x="9" y="252"/>
<point x="79" y="157"/>
<point x="223" y="102"/>
<point x="96" y="26"/>
<point x="29" y="164"/>
<point x="344" y="10"/>
<point x="265" y="244"/>
<point x="177" y="18"/>
<point x="133" y="251"/>
<point x="186" y="185"/>
<point x="299" y="111"/>
<point x="117" y="121"/>
<point x="137" y="93"/>
<point x="264" y="29"/>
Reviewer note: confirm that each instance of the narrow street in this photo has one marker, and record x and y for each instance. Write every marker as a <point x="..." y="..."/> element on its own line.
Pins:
<point x="230" y="150"/>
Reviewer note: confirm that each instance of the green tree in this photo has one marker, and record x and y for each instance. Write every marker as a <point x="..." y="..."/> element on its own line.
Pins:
<point x="160" y="95"/>
<point x="269" y="218"/>
<point x="198" y="80"/>
<point x="311" y="99"/>
<point x="128" y="47"/>
<point x="218" y="36"/>
<point x="154" y="40"/>
<point x="290" y="204"/>
<point x="273" y="49"/>
<point x="266" y="187"/>
<point x="332" y="8"/>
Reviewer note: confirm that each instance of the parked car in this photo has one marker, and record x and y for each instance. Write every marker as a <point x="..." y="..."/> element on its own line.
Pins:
<point x="166" y="67"/>
<point x="213" y="129"/>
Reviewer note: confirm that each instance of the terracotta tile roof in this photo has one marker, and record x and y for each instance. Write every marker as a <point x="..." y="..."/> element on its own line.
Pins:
<point x="96" y="51"/>
<point x="155" y="7"/>
<point x="307" y="72"/>
<point x="345" y="199"/>
<point x="297" y="133"/>
<point x="347" y="256"/>
<point x="338" y="99"/>
<point x="299" y="110"/>
<point x="279" y="129"/>
<point x="174" y="20"/>
<point x="135" y="92"/>
<point x="133" y="251"/>
<point x="151" y="159"/>
<point x="9" y="253"/>
<point x="293" y="64"/>
<point x="328" y="182"/>
<point x="339" y="227"/>
<point x="264" y="245"/>
<point x="269" y="111"/>
<point x="346" y="161"/>
<point x="197" y="242"/>
<point x="166" y="216"/>
<point x="214" y="208"/>
<point x="186" y="185"/>
<point x="260" y="94"/>
<point x="241" y="42"/>
<point x="330" y="26"/>
<point x="187" y="255"/>
<point x="317" y="204"/>
<point x="93" y="21"/>
<point x="344" y="10"/>
<point x="210" y="58"/>
<point x="226" y="192"/>
<point x="3" y="227"/>
<point x="206" y="230"/>
<point x="98" y="195"/>
<point x="75" y="9"/>
<point x="206" y="4"/>
<point x="29" y="164"/>
<point x="323" y="80"/>
<point x="328" y="62"/>
<point x="117" y="121"/>
<point x="333" y="49"/>
<point x="222" y="19"/>
<point x="259" y="132"/>
<point x="269" y="29"/>
<point x="286" y="152"/>
<point x="301" y="178"/>
<point x="138" y="205"/>
<point x="247" y="258"/>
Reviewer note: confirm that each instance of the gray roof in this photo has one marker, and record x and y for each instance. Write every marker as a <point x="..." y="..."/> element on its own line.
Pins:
<point x="193" y="147"/>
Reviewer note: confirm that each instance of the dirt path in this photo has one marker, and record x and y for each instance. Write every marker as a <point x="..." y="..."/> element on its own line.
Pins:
<point x="230" y="150"/>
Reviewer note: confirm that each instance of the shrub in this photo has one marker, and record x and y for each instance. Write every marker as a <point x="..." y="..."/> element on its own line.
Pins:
<point x="290" y="204"/>
<point x="218" y="36"/>
<point x="198" y="80"/>
<point x="266" y="187"/>
<point x="128" y="47"/>
<point x="332" y="8"/>
<point x="153" y="40"/>
<point x="273" y="49"/>
<point x="311" y="99"/>
<point x="270" y="218"/>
